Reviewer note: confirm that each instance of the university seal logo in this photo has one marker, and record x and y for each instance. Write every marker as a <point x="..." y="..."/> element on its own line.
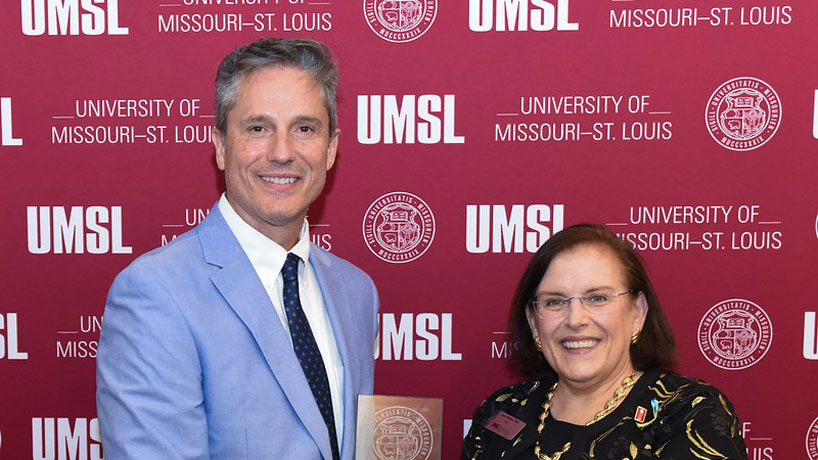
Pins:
<point x="735" y="334"/>
<point x="400" y="21"/>
<point x="812" y="440"/>
<point x="398" y="227"/>
<point x="743" y="113"/>
<point x="401" y="433"/>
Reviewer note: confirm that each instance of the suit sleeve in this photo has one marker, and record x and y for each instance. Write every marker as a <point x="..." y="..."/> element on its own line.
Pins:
<point x="375" y="323"/>
<point x="149" y="378"/>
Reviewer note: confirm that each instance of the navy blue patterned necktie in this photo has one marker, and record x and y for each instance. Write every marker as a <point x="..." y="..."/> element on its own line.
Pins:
<point x="306" y="349"/>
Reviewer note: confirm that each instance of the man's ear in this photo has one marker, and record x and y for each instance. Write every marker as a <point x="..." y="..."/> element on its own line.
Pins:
<point x="218" y="143"/>
<point x="332" y="150"/>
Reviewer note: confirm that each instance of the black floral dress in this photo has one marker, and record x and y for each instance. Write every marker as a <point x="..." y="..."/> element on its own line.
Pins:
<point x="665" y="416"/>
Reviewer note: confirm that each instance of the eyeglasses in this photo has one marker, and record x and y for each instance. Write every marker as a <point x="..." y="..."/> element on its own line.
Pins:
<point x="545" y="303"/>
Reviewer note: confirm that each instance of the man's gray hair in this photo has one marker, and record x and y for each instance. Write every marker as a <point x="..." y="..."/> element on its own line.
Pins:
<point x="308" y="55"/>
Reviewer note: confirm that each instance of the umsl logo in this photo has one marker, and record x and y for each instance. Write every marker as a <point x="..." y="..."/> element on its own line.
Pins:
<point x="6" y="136"/>
<point x="54" y="230"/>
<point x="9" y="345"/>
<point x="519" y="15"/>
<point x="810" y="333"/>
<point x="502" y="230"/>
<point x="425" y="337"/>
<point x="55" y="439"/>
<point x="427" y="119"/>
<point x="71" y="17"/>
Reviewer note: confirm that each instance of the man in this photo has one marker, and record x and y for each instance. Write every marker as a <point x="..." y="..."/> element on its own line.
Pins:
<point x="240" y="339"/>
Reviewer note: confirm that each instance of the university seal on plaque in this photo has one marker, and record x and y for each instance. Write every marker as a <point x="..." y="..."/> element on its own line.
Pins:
<point x="400" y="21"/>
<point x="398" y="428"/>
<point x="401" y="434"/>
<point x="398" y="227"/>
<point x="735" y="334"/>
<point x="743" y="113"/>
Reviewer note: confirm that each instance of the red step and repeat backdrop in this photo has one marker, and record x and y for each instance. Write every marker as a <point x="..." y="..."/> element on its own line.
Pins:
<point x="689" y="127"/>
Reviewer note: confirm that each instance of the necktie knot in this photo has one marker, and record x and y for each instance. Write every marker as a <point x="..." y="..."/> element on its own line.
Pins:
<point x="289" y="272"/>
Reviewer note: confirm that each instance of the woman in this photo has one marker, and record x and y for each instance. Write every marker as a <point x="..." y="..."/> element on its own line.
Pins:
<point x="595" y="340"/>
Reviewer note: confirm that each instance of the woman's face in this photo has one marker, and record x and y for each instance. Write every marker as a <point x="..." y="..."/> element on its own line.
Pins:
<point x="587" y="346"/>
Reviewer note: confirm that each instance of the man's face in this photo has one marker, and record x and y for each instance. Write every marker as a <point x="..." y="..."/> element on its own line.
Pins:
<point x="276" y="151"/>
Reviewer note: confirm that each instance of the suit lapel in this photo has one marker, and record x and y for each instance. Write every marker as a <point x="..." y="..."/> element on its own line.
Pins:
<point x="339" y="312"/>
<point x="238" y="282"/>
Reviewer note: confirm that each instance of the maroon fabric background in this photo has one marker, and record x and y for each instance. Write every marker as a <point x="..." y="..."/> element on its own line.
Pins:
<point x="483" y="197"/>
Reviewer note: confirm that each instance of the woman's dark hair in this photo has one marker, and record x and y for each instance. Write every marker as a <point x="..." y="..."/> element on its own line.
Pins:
<point x="655" y="348"/>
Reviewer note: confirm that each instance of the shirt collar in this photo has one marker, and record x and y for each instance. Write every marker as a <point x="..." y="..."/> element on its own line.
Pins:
<point x="266" y="256"/>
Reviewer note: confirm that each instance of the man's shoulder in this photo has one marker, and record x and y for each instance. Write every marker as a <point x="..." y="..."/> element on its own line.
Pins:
<point x="329" y="261"/>
<point x="182" y="250"/>
<point x="186" y="249"/>
<point x="182" y="261"/>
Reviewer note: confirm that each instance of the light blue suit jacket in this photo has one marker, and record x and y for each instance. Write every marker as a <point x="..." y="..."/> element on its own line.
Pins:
<point x="193" y="362"/>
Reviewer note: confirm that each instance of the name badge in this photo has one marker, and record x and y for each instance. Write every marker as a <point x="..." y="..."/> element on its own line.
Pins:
<point x="505" y="425"/>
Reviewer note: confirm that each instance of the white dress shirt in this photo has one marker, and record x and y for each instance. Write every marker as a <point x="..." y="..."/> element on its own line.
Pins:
<point x="267" y="258"/>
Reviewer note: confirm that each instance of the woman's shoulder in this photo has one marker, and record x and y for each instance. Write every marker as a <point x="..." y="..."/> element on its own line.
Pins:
<point x="693" y="402"/>
<point x="517" y="401"/>
<point x="519" y="390"/>
<point x="512" y="398"/>
<point x="684" y="388"/>
<point x="689" y="413"/>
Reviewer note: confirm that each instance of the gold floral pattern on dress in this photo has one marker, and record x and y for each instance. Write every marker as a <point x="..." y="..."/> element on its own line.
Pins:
<point x="680" y="419"/>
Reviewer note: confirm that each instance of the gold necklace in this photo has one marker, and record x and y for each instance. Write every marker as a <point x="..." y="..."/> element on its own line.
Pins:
<point x="627" y="382"/>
